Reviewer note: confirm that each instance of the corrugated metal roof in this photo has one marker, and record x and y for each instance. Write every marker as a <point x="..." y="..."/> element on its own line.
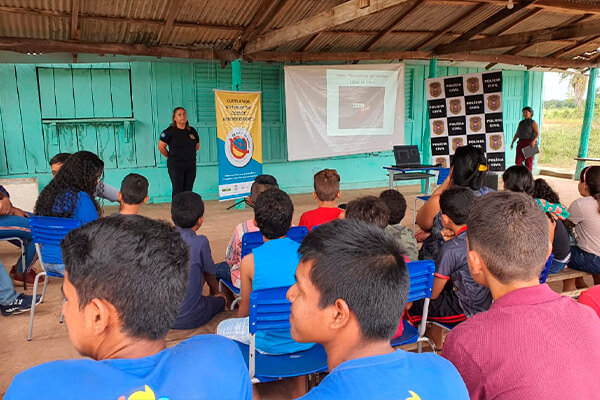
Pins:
<point x="400" y="41"/>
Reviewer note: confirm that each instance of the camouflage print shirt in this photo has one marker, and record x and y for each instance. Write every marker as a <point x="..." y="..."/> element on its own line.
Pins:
<point x="406" y="238"/>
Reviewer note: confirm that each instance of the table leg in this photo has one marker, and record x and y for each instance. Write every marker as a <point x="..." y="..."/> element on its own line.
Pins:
<point x="391" y="179"/>
<point x="427" y="186"/>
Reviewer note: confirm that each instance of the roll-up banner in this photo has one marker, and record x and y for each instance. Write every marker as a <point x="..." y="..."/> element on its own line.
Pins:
<point x="239" y="142"/>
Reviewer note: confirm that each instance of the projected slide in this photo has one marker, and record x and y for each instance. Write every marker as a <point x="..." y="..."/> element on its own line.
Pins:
<point x="343" y="109"/>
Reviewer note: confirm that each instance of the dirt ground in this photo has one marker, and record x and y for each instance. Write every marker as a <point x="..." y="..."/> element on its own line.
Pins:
<point x="50" y="339"/>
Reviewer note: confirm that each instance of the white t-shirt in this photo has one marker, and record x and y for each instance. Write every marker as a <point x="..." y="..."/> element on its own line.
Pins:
<point x="585" y="216"/>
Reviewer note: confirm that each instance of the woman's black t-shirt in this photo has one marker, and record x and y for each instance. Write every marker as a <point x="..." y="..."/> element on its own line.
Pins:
<point x="182" y="145"/>
<point x="525" y="129"/>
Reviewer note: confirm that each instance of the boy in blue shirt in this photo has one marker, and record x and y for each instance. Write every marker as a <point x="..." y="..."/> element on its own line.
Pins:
<point x="455" y="295"/>
<point x="351" y="288"/>
<point x="125" y="278"/>
<point x="187" y="212"/>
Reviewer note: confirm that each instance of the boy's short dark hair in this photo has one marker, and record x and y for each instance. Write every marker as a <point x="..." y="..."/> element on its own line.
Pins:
<point x="137" y="264"/>
<point x="59" y="158"/>
<point x="273" y="213"/>
<point x="186" y="208"/>
<point x="396" y="204"/>
<point x="364" y="266"/>
<point x="134" y="189"/>
<point x="327" y="184"/>
<point x="369" y="209"/>
<point x="455" y="202"/>
<point x="518" y="179"/>
<point x="260" y="184"/>
<point x="510" y="233"/>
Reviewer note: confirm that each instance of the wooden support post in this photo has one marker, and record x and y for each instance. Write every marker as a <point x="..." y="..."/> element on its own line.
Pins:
<point x="584" y="139"/>
<point x="426" y="138"/>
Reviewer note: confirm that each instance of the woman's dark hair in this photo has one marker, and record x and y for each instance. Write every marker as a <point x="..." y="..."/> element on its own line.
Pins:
<point x="187" y="122"/>
<point x="527" y="108"/>
<point x="470" y="167"/>
<point x="541" y="190"/>
<point x="79" y="173"/>
<point x="518" y="179"/>
<point x="591" y="177"/>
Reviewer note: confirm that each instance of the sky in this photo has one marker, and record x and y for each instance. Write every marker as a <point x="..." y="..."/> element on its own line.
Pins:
<point x="553" y="88"/>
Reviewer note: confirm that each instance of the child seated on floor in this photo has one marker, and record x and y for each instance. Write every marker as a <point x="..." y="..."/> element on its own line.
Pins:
<point x="395" y="202"/>
<point x="327" y="191"/>
<point x="523" y="347"/>
<point x="133" y="193"/>
<point x="584" y="214"/>
<point x="187" y="212"/>
<point x="229" y="270"/>
<point x="271" y="265"/>
<point x="351" y="287"/>
<point x="368" y="209"/>
<point x="124" y="282"/>
<point x="455" y="295"/>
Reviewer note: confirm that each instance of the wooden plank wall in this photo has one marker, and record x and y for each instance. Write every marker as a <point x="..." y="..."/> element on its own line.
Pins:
<point x="149" y="92"/>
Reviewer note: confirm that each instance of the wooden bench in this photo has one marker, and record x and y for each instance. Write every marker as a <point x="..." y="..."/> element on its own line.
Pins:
<point x="565" y="274"/>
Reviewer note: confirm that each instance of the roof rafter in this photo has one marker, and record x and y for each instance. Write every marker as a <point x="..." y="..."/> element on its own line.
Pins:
<point x="410" y="7"/>
<point x="267" y="9"/>
<point x="75" y="32"/>
<point x="328" y="19"/>
<point x="165" y="34"/>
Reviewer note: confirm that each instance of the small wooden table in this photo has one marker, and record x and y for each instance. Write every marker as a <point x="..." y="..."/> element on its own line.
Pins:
<point x="407" y="174"/>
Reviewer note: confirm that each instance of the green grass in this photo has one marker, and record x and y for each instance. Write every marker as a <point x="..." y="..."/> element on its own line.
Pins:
<point x="560" y="139"/>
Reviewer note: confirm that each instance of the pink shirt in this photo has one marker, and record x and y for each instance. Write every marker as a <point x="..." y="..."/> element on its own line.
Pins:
<point x="233" y="254"/>
<point x="532" y="344"/>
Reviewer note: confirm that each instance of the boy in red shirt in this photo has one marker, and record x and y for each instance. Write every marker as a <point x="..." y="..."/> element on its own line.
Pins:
<point x="327" y="191"/>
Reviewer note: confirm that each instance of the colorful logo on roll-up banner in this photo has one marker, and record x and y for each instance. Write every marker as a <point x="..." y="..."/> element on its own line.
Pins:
<point x="456" y="143"/>
<point x="473" y="85"/>
<point x="438" y="127"/>
<point x="441" y="161"/>
<point x="435" y="89"/>
<point x="495" y="142"/>
<point x="475" y="124"/>
<point x="455" y="107"/>
<point x="493" y="102"/>
<point x="239" y="143"/>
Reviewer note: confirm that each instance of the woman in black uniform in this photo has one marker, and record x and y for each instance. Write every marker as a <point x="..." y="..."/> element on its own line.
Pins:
<point x="183" y="143"/>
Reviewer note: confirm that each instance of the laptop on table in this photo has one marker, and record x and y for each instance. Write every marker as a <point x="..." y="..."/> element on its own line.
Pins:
<point x="407" y="156"/>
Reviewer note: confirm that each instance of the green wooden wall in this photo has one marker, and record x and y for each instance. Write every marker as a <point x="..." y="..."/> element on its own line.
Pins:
<point x="118" y="111"/>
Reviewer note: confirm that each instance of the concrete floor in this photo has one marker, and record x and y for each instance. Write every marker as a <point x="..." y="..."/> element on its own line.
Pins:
<point x="50" y="339"/>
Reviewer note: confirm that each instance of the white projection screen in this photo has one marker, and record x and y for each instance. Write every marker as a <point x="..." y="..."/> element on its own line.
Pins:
<point x="335" y="110"/>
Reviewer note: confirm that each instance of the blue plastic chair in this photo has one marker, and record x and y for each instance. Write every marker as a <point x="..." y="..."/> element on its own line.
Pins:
<point x="270" y="310"/>
<point x="421" y="275"/>
<point x="546" y="270"/>
<point x="47" y="234"/>
<point x="442" y="175"/>
<point x="252" y="240"/>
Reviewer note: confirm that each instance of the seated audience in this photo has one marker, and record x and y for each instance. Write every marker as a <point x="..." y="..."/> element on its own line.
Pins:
<point x="524" y="345"/>
<point x="395" y="202"/>
<point x="518" y="178"/>
<point x="11" y="301"/>
<point x="133" y="193"/>
<point x="351" y="287"/>
<point x="468" y="168"/>
<point x="230" y="269"/>
<point x="124" y="282"/>
<point x="271" y="265"/>
<point x="584" y="214"/>
<point x="103" y="190"/>
<point x="327" y="192"/>
<point x="187" y="212"/>
<point x="14" y="222"/>
<point x="369" y="209"/>
<point x="455" y="295"/>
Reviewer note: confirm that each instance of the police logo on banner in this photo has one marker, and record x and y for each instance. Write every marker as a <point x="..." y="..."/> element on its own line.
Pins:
<point x="473" y="85"/>
<point x="238" y="147"/>
<point x="435" y="89"/>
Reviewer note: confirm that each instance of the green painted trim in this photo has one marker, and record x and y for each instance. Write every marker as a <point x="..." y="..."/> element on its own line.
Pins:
<point x="236" y="75"/>
<point x="588" y="116"/>
<point x="425" y="138"/>
<point x="86" y="121"/>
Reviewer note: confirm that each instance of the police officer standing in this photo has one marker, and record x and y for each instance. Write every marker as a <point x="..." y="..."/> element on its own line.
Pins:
<point x="183" y="143"/>
<point x="527" y="134"/>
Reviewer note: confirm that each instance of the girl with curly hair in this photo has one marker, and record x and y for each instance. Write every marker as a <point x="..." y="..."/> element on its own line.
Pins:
<point x="71" y="193"/>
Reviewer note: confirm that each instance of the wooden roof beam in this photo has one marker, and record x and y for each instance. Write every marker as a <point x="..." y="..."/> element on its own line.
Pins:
<point x="346" y="12"/>
<point x="267" y="9"/>
<point x="173" y="9"/>
<point x="563" y="51"/>
<point x="567" y="6"/>
<point x="21" y="45"/>
<point x="418" y="55"/>
<point x="117" y="20"/>
<point x="522" y="38"/>
<point x="75" y="32"/>
<point x="528" y="14"/>
<point x="410" y="7"/>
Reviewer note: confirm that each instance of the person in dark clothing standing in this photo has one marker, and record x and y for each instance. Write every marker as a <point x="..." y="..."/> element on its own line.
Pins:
<point x="527" y="133"/>
<point x="183" y="143"/>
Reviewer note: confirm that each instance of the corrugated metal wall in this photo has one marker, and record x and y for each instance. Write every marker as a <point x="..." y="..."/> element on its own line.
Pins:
<point x="119" y="110"/>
